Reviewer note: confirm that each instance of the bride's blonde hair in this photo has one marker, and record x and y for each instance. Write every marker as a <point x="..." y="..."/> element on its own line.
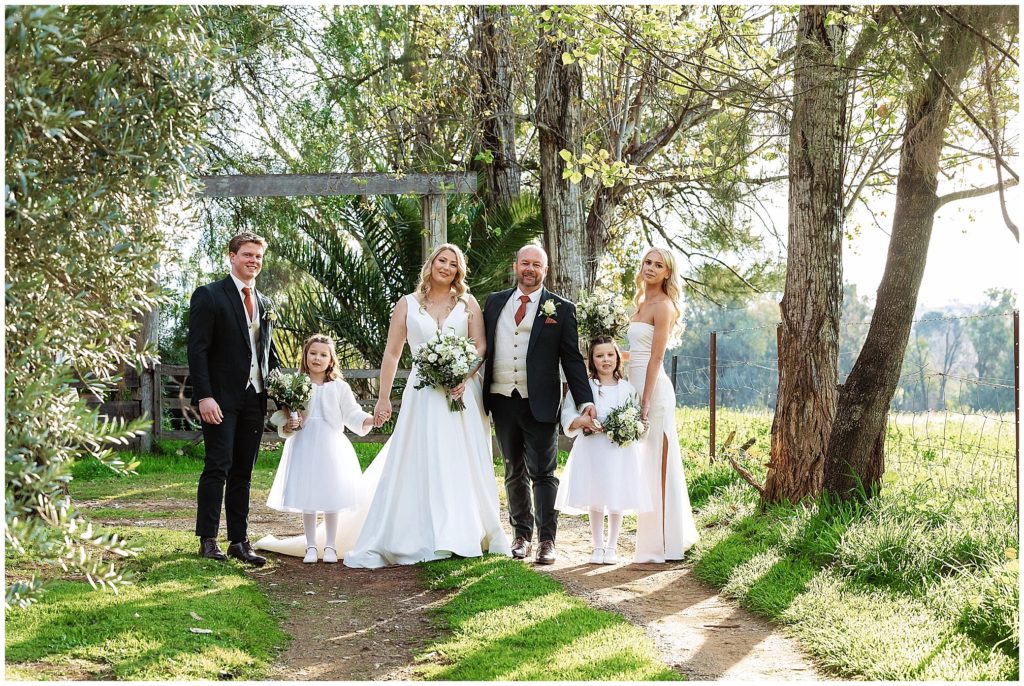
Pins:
<point x="671" y="286"/>
<point x="458" y="287"/>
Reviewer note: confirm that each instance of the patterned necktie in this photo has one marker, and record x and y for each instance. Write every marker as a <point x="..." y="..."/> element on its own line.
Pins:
<point x="521" y="312"/>
<point x="248" y="300"/>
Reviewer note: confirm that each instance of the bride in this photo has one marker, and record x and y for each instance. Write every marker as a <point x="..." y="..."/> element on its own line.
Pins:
<point x="430" y="493"/>
<point x="436" y="496"/>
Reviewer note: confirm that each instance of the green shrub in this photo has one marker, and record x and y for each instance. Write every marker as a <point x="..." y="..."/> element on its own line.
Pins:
<point x="105" y="107"/>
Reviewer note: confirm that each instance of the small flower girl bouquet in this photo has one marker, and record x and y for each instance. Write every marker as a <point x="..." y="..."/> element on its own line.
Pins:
<point x="623" y="424"/>
<point x="601" y="314"/>
<point x="289" y="390"/>
<point x="443" y="362"/>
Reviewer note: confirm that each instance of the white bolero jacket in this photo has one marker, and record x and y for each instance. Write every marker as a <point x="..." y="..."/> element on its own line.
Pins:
<point x="570" y="413"/>
<point x="340" y="409"/>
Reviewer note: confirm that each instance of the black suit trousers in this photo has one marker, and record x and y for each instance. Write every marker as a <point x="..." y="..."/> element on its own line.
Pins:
<point x="231" y="450"/>
<point x="530" y="451"/>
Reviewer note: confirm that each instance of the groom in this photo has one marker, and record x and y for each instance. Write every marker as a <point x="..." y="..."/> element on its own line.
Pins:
<point x="530" y="332"/>
<point x="230" y="355"/>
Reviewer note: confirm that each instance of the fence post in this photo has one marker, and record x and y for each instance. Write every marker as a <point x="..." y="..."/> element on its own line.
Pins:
<point x="146" y="405"/>
<point x="1016" y="405"/>
<point x="713" y="394"/>
<point x="157" y="408"/>
<point x="675" y="362"/>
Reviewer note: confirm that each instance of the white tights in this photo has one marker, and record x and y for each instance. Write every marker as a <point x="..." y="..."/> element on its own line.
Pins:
<point x="330" y="528"/>
<point x="597" y="529"/>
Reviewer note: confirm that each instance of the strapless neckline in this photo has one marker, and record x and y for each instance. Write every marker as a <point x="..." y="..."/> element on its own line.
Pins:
<point x="644" y="323"/>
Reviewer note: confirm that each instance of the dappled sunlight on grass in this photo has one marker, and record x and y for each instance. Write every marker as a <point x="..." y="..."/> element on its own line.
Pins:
<point x="144" y="632"/>
<point x="509" y="623"/>
<point x="915" y="584"/>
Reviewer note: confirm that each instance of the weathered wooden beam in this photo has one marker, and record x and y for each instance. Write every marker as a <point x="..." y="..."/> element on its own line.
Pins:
<point x="280" y="185"/>
<point x="434" y="210"/>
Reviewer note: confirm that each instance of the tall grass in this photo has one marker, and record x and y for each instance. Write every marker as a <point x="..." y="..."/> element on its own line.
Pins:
<point x="919" y="583"/>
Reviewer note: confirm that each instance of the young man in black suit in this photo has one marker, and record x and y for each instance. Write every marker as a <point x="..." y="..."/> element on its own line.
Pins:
<point x="230" y="354"/>
<point x="530" y="333"/>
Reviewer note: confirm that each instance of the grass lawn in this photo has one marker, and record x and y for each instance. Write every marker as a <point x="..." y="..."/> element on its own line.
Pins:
<point x="509" y="623"/>
<point x="144" y="632"/>
<point x="505" y="620"/>
<point x="921" y="583"/>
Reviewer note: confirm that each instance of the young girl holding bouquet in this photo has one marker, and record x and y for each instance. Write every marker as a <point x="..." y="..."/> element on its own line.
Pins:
<point x="319" y="471"/>
<point x="602" y="477"/>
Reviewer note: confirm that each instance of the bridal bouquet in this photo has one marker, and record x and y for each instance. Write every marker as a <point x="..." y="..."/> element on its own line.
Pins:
<point x="601" y="314"/>
<point x="623" y="424"/>
<point x="289" y="390"/>
<point x="443" y="362"/>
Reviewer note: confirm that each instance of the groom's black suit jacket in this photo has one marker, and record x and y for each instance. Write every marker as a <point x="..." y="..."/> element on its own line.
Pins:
<point x="550" y="344"/>
<point x="218" y="344"/>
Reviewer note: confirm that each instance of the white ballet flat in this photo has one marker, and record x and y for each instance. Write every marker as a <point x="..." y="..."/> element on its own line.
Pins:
<point x="597" y="557"/>
<point x="610" y="558"/>
<point x="330" y="554"/>
<point x="311" y="555"/>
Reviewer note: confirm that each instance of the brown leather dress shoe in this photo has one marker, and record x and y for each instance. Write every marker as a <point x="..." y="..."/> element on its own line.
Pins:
<point x="546" y="553"/>
<point x="521" y="548"/>
<point x="208" y="548"/>
<point x="243" y="551"/>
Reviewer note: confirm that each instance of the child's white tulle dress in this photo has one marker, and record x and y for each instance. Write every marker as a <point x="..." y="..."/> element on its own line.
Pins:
<point x="601" y="475"/>
<point x="319" y="470"/>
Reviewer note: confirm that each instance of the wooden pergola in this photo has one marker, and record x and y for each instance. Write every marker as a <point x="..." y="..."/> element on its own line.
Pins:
<point x="432" y="189"/>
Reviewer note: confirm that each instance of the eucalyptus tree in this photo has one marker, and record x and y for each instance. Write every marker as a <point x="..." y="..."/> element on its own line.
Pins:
<point x="941" y="49"/>
<point x="809" y="334"/>
<point x="672" y="101"/>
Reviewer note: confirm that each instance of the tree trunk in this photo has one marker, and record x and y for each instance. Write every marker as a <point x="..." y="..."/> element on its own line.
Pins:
<point x="559" y="92"/>
<point x="812" y="302"/>
<point x="493" y="104"/>
<point x="855" y="456"/>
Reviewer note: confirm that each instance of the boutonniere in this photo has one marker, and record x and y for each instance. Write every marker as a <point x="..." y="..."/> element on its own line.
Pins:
<point x="270" y="314"/>
<point x="549" y="308"/>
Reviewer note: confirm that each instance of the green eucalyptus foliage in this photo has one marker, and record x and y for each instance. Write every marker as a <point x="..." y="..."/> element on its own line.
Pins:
<point x="105" y="107"/>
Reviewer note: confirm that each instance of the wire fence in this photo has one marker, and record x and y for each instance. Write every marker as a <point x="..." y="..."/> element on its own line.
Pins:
<point x="954" y="420"/>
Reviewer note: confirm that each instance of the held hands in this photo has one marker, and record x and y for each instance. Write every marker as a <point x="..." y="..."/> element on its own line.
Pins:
<point x="210" y="411"/>
<point x="645" y="408"/>
<point x="587" y="423"/>
<point x="381" y="412"/>
<point x="293" y="423"/>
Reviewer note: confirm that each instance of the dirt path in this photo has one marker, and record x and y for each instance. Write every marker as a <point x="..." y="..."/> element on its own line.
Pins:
<point x="361" y="625"/>
<point x="699" y="633"/>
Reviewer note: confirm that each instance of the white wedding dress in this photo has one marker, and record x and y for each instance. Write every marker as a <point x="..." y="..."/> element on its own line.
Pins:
<point x="667" y="531"/>
<point x="436" y="495"/>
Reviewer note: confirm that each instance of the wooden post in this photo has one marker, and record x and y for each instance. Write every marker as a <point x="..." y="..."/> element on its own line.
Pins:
<point x="149" y="340"/>
<point x="1016" y="406"/>
<point x="713" y="395"/>
<point x="434" y="210"/>
<point x="157" y="408"/>
<point x="675" y="363"/>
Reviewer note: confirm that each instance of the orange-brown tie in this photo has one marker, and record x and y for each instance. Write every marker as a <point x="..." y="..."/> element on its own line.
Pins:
<point x="248" y="300"/>
<point x="521" y="312"/>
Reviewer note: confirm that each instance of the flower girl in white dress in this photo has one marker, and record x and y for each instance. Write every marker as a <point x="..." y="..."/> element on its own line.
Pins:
<point x="319" y="470"/>
<point x="601" y="478"/>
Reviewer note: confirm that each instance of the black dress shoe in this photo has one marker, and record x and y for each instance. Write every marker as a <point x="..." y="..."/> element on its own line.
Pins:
<point x="546" y="553"/>
<point x="208" y="548"/>
<point x="521" y="548"/>
<point x="243" y="551"/>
